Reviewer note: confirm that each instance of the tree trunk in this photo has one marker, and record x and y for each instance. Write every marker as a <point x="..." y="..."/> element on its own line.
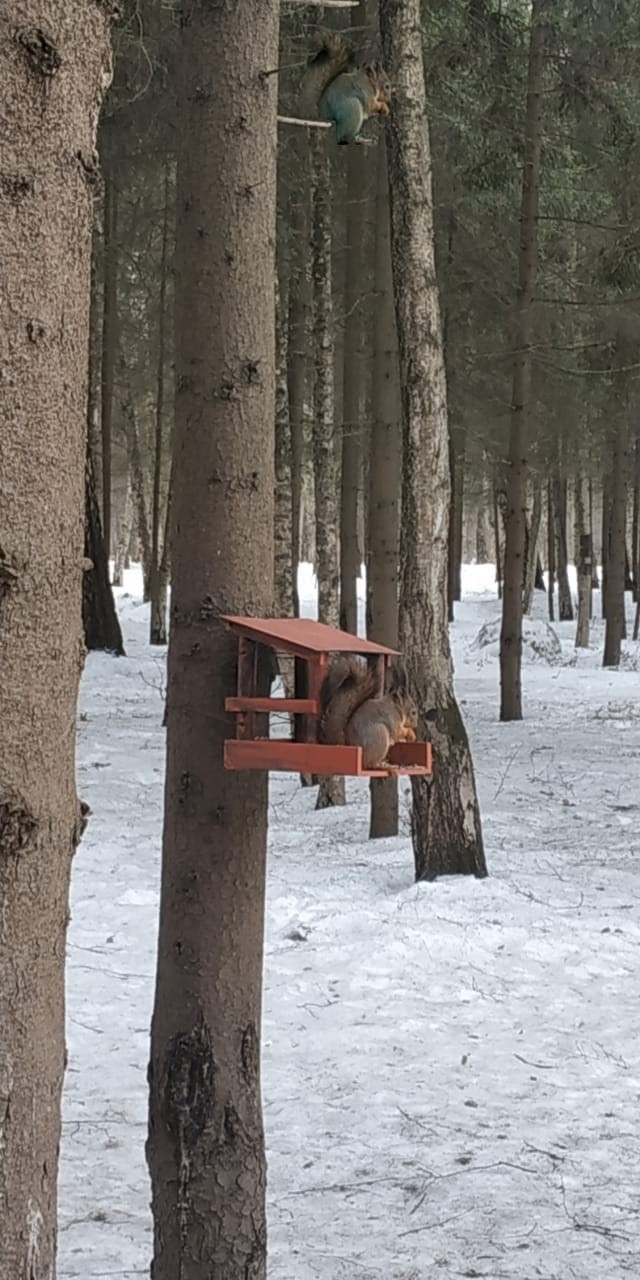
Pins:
<point x="282" y="533"/>
<point x="99" y="615"/>
<point x="605" y="538"/>
<point x="109" y="336"/>
<point x="447" y="837"/>
<point x="353" y="366"/>
<point x="298" y="338"/>
<point x="123" y="536"/>
<point x="511" y="632"/>
<point x="565" y="603"/>
<point x="635" y="522"/>
<point x="95" y="374"/>
<point x="325" y="464"/>
<point x="483" y="529"/>
<point x="496" y="536"/>
<point x="138" y="496"/>
<point x="54" y="61"/>
<point x="551" y="554"/>
<point x="531" y="559"/>
<point x="456" y="467"/>
<point x="617" y="529"/>
<point x="595" y="581"/>
<point x="158" y="581"/>
<point x="385" y="474"/>
<point x="584" y="555"/>
<point x="206" y="1142"/>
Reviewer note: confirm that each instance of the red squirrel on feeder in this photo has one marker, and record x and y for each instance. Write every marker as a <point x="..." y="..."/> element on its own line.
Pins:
<point x="353" y="715"/>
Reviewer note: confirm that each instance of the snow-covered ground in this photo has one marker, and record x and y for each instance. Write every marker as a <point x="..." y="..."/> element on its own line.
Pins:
<point x="451" y="1070"/>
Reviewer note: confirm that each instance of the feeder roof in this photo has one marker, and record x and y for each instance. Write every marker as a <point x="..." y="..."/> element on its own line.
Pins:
<point x="303" y="636"/>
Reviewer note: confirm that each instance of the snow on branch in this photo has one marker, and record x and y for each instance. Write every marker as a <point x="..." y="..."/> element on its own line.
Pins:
<point x="325" y="4"/>
<point x="308" y="124"/>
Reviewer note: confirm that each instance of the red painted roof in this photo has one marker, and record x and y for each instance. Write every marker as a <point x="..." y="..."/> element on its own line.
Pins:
<point x="303" y="635"/>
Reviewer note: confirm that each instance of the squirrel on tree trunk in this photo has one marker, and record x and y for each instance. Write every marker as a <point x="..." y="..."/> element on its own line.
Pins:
<point x="334" y="88"/>
<point x="353" y="714"/>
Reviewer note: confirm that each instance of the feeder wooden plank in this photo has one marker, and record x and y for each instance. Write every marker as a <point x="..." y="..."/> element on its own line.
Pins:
<point x="311" y="757"/>
<point x="412" y="754"/>
<point x="303" y="706"/>
<point x="296" y="757"/>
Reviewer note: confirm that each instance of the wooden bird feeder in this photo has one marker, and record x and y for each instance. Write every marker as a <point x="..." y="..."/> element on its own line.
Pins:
<point x="310" y="644"/>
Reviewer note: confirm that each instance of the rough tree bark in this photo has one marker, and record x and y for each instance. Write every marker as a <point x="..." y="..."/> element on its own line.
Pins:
<point x="385" y="474"/>
<point x="54" y="68"/>
<point x="206" y="1143"/>
<point x="157" y="580"/>
<point x="447" y="836"/>
<point x="331" y="791"/>
<point x="516" y="516"/>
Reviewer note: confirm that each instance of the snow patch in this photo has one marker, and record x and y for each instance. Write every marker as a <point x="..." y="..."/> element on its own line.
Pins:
<point x="540" y="642"/>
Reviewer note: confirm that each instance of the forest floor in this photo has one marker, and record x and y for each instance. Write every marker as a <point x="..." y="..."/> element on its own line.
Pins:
<point x="451" y="1070"/>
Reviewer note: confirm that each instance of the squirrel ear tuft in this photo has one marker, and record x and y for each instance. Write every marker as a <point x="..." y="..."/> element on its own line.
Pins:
<point x="398" y="681"/>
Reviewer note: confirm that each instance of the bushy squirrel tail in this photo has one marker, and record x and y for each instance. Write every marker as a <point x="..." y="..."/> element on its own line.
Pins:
<point x="348" y="683"/>
<point x="333" y="57"/>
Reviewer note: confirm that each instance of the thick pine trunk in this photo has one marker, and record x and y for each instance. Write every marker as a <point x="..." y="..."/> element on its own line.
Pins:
<point x="616" y="530"/>
<point x="54" y="66"/>
<point x="584" y="566"/>
<point x="385" y="475"/>
<point x="325" y="462"/>
<point x="158" y="580"/>
<point x="206" y="1142"/>
<point x="447" y="836"/>
<point x="516" y="516"/>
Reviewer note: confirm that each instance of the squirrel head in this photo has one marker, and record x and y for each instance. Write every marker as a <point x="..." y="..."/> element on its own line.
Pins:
<point x="399" y="691"/>
<point x="381" y="85"/>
